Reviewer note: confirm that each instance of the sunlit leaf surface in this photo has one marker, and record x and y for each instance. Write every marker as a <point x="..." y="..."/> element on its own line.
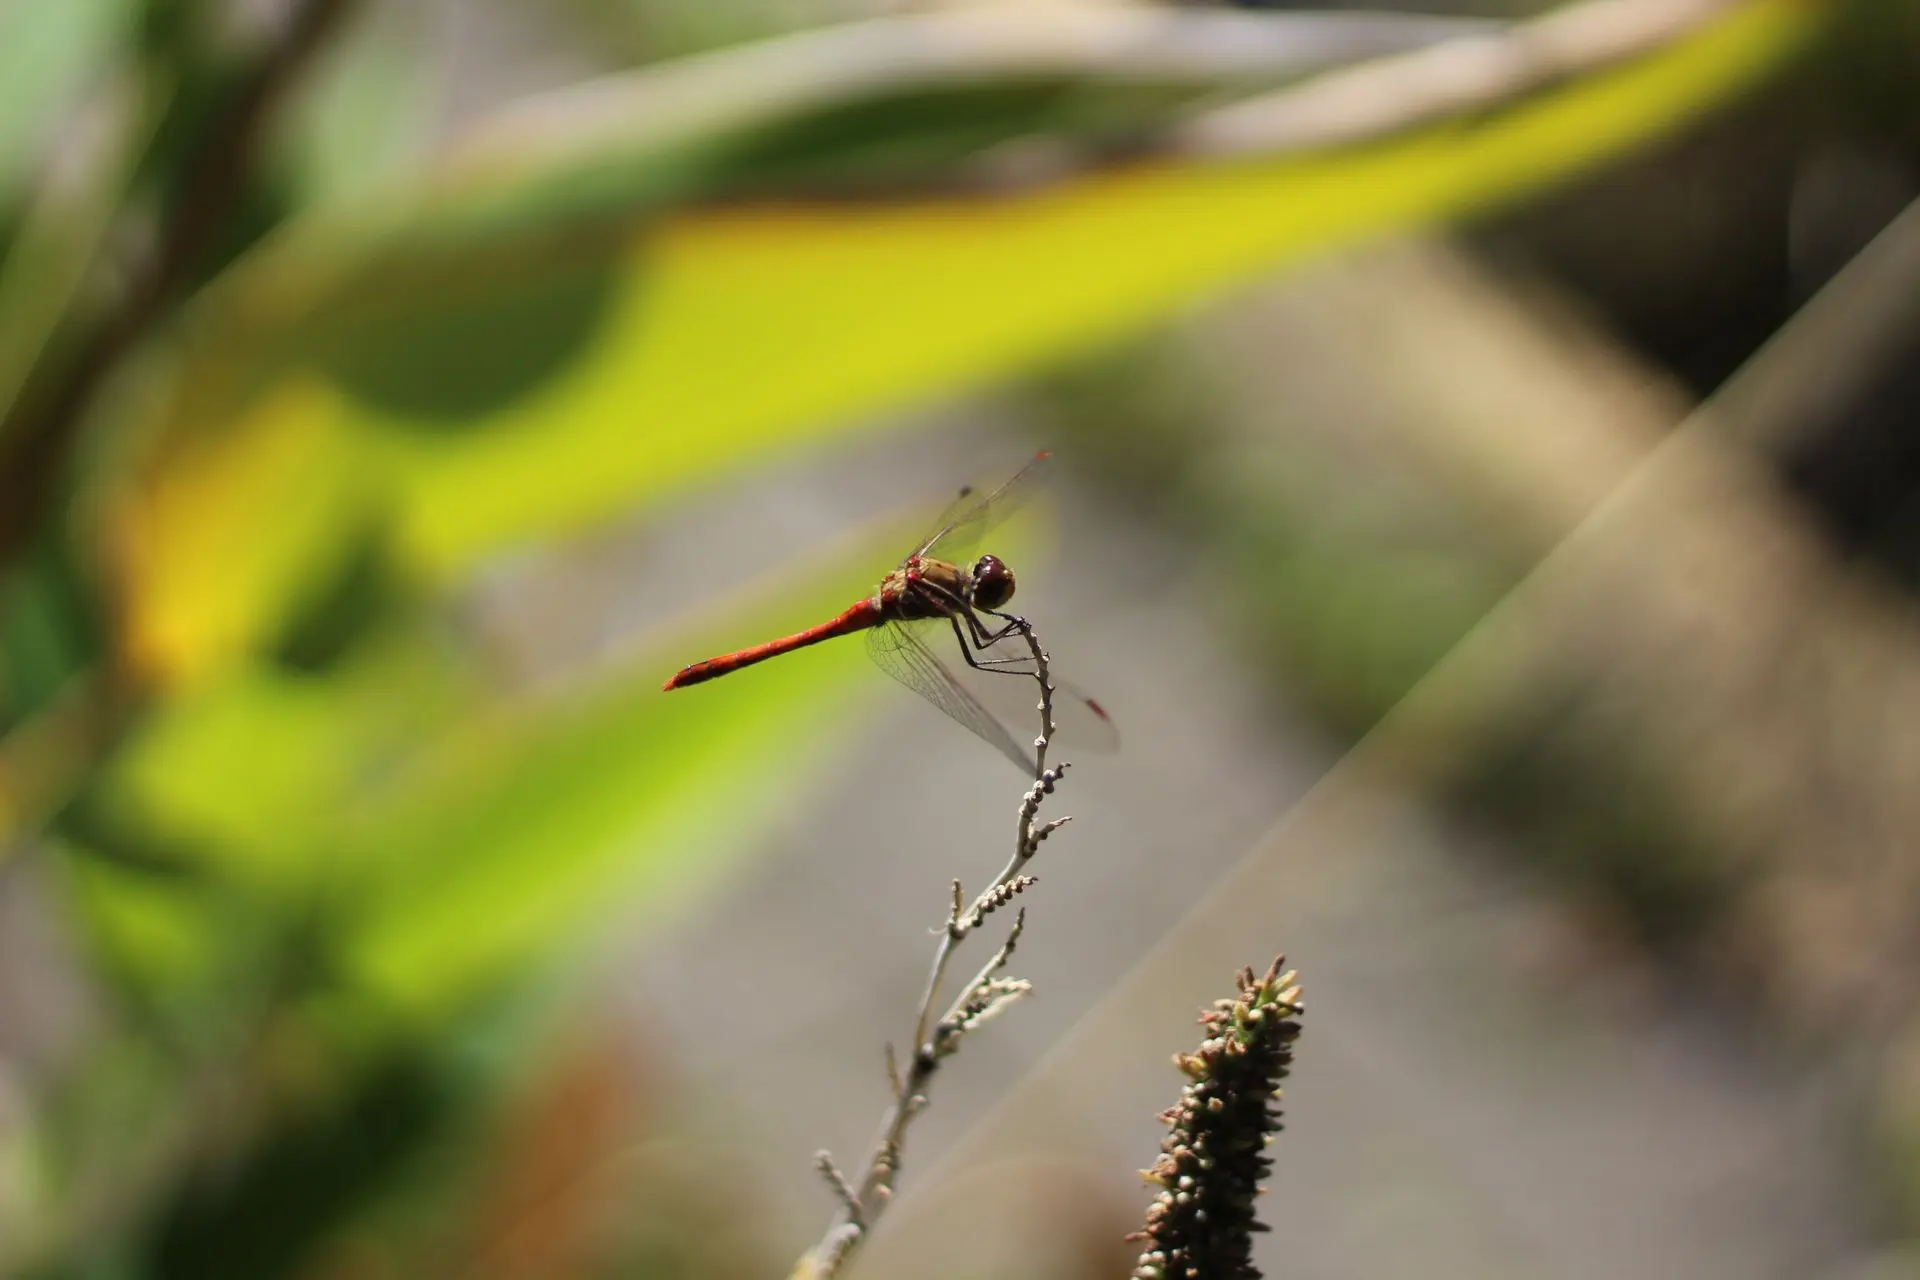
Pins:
<point x="518" y="351"/>
<point x="446" y="834"/>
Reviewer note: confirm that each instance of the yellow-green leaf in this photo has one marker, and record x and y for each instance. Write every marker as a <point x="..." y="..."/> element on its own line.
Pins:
<point x="481" y="376"/>
<point x="434" y="838"/>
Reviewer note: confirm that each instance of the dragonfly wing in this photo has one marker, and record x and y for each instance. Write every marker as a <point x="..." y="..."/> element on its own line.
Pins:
<point x="897" y="650"/>
<point x="973" y="515"/>
<point x="956" y="514"/>
<point x="1080" y="723"/>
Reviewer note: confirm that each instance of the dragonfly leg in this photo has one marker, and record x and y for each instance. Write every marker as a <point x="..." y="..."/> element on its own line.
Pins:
<point x="975" y="636"/>
<point x="993" y="666"/>
<point x="983" y="638"/>
<point x="955" y="608"/>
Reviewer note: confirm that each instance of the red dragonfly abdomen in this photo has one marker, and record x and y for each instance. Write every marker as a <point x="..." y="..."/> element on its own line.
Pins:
<point x="858" y="617"/>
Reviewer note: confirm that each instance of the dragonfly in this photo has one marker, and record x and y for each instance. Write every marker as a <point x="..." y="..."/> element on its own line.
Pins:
<point x="928" y="594"/>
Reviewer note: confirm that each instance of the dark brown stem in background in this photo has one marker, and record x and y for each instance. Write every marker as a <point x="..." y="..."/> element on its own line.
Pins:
<point x="35" y="445"/>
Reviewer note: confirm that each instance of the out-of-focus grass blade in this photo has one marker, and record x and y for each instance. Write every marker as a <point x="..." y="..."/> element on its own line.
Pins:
<point x="436" y="836"/>
<point x="64" y="225"/>
<point x="529" y="825"/>
<point x="520" y="349"/>
<point x="618" y="794"/>
<point x="47" y="52"/>
<point x="310" y="876"/>
<point x="367" y="114"/>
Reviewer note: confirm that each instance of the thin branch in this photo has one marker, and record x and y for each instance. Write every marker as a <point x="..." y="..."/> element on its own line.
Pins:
<point x="981" y="999"/>
<point x="842" y="1189"/>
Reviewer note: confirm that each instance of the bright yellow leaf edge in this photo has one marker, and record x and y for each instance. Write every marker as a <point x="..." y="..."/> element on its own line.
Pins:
<point x="743" y="332"/>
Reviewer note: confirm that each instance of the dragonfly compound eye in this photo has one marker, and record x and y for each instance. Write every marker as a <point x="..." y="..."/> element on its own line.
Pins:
<point x="992" y="583"/>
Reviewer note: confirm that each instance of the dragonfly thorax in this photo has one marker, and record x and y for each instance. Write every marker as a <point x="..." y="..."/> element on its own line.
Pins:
<point x="924" y="587"/>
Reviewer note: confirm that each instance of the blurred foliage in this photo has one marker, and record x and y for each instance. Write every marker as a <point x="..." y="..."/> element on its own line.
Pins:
<point x="47" y="55"/>
<point x="548" y="306"/>
<point x="1347" y="597"/>
<point x="1344" y="592"/>
<point x="329" y="858"/>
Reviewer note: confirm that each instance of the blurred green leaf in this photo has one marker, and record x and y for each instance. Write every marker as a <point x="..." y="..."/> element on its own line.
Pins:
<point x="305" y="877"/>
<point x="600" y="337"/>
<point x="504" y="839"/>
<point x="48" y="634"/>
<point x="47" y="54"/>
<point x="366" y="114"/>
<point x="277" y="882"/>
<point x="435" y="834"/>
<point x="317" y="1174"/>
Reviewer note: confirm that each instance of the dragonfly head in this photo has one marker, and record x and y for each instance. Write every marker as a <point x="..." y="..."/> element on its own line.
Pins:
<point x="992" y="582"/>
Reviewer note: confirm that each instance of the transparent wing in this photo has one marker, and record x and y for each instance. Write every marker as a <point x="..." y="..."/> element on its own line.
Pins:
<point x="1080" y="724"/>
<point x="986" y="702"/>
<point x="897" y="649"/>
<point x="971" y="515"/>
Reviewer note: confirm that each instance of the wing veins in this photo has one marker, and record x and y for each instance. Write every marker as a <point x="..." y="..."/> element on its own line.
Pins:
<point x="904" y="656"/>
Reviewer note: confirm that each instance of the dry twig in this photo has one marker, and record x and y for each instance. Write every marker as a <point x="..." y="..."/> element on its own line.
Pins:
<point x="984" y="997"/>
